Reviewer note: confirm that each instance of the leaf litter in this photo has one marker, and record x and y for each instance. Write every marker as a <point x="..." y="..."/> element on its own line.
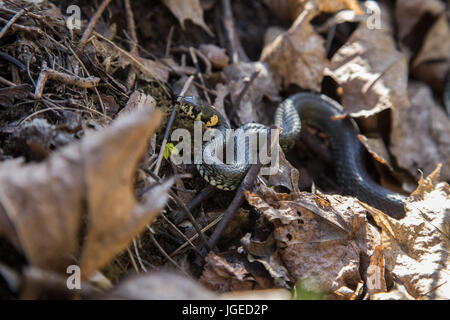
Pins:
<point x="82" y="182"/>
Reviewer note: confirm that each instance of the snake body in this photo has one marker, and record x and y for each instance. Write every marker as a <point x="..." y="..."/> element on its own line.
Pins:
<point x="314" y="110"/>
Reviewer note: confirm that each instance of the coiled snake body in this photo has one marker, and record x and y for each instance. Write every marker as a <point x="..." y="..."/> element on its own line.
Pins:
<point x="314" y="110"/>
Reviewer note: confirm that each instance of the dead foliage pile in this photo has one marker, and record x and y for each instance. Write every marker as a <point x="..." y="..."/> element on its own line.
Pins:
<point x="89" y="192"/>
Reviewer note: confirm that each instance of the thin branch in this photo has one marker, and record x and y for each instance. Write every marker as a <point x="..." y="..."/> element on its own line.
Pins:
<point x="92" y="23"/>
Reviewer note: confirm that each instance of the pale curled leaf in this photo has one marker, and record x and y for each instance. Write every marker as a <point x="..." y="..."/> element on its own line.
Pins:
<point x="188" y="10"/>
<point x="248" y="100"/>
<point x="46" y="202"/>
<point x="420" y="136"/>
<point x="158" y="286"/>
<point x="416" y="247"/>
<point x="409" y="12"/>
<point x="298" y="55"/>
<point x="371" y="71"/>
<point x="433" y="60"/>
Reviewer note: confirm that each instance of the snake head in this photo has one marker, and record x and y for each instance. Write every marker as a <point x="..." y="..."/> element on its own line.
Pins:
<point x="191" y="107"/>
<point x="200" y="111"/>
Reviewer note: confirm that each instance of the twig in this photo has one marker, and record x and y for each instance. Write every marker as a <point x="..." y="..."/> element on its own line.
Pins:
<point x="246" y="184"/>
<point x="141" y="264"/>
<point x="11" y="22"/>
<point x="203" y="195"/>
<point x="236" y="51"/>
<point x="161" y="249"/>
<point x="133" y="59"/>
<point x="247" y="84"/>
<point x="188" y="241"/>
<point x="47" y="73"/>
<point x="199" y="73"/>
<point x="90" y="28"/>
<point x="13" y="60"/>
<point x="186" y="210"/>
<point x="132" y="260"/>
<point x="131" y="26"/>
<point x="169" y="41"/>
<point x="195" y="236"/>
<point x="169" y="126"/>
<point x="19" y="27"/>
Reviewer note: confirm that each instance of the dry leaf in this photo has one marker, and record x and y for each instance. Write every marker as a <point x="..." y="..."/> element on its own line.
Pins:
<point x="287" y="175"/>
<point x="89" y="181"/>
<point x="433" y="60"/>
<point x="416" y="247"/>
<point x="371" y="71"/>
<point x="188" y="10"/>
<point x="216" y="55"/>
<point x="409" y="12"/>
<point x="298" y="56"/>
<point x="376" y="281"/>
<point x="221" y="275"/>
<point x="247" y="102"/>
<point x="320" y="238"/>
<point x="420" y="137"/>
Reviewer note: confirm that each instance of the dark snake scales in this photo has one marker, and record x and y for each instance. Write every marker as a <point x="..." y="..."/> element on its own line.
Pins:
<point x="313" y="110"/>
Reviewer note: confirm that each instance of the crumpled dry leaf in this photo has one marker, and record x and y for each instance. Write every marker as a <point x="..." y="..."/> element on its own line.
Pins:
<point x="298" y="55"/>
<point x="416" y="247"/>
<point x="265" y="253"/>
<point x="188" y="10"/>
<point x="265" y="84"/>
<point x="376" y="281"/>
<point x="159" y="286"/>
<point x="216" y="55"/>
<point x="223" y="275"/>
<point x="433" y="60"/>
<point x="420" y="136"/>
<point x="287" y="175"/>
<point x="321" y="237"/>
<point x="91" y="182"/>
<point x="371" y="71"/>
<point x="408" y="13"/>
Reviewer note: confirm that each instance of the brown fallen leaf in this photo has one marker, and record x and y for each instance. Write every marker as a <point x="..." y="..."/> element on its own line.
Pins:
<point x="371" y="71"/>
<point x="416" y="247"/>
<point x="86" y="183"/>
<point x="409" y="12"/>
<point x="376" y="281"/>
<point x="286" y="176"/>
<point x="420" y="136"/>
<point x="224" y="275"/>
<point x="298" y="55"/>
<point x="188" y="10"/>
<point x="265" y="253"/>
<point x="433" y="60"/>
<point x="216" y="55"/>
<point x="320" y="238"/>
<point x="247" y="98"/>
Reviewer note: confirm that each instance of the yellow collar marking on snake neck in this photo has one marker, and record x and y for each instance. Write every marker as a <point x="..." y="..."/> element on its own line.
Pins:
<point x="212" y="121"/>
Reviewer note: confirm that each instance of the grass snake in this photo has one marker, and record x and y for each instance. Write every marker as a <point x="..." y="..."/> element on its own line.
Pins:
<point x="313" y="110"/>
